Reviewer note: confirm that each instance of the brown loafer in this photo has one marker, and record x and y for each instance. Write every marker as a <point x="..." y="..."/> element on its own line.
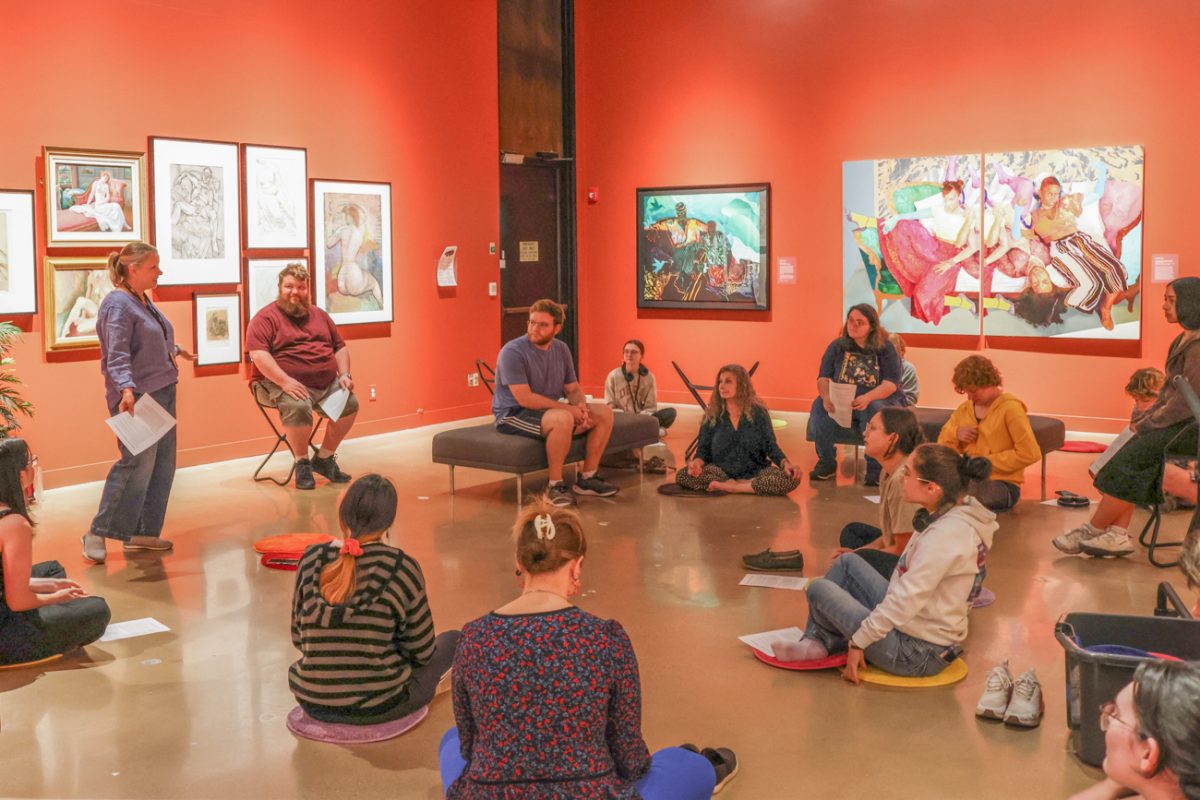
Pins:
<point x="147" y="543"/>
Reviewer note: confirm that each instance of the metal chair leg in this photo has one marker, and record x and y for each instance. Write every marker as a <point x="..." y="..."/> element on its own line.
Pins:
<point x="520" y="490"/>
<point x="1043" y="476"/>
<point x="451" y="479"/>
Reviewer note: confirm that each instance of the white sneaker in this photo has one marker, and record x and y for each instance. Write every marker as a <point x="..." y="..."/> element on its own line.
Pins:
<point x="997" y="693"/>
<point x="1113" y="542"/>
<point x="1071" y="542"/>
<point x="1026" y="707"/>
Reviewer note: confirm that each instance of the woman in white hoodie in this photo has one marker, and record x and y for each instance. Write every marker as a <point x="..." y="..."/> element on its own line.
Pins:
<point x="913" y="624"/>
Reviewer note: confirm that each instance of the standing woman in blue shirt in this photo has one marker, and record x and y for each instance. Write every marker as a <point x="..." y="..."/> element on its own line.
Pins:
<point x="737" y="451"/>
<point x="137" y="356"/>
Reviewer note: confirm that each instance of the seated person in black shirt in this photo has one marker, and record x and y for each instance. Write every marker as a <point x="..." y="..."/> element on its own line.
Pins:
<point x="737" y="451"/>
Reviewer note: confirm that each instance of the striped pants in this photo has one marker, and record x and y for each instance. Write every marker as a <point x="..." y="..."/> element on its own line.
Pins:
<point x="772" y="481"/>
<point x="1090" y="266"/>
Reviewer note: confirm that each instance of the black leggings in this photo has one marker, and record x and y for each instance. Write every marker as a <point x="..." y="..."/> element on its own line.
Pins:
<point x="51" y="630"/>
<point x="422" y="685"/>
<point x="860" y="534"/>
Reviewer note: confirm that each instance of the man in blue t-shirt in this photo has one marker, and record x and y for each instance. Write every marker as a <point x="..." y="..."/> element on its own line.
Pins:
<point x="532" y="373"/>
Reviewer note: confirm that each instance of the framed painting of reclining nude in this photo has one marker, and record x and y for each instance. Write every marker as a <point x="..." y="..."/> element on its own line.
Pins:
<point x="704" y="247"/>
<point x="74" y="289"/>
<point x="352" y="250"/>
<point x="910" y="242"/>
<point x="18" y="262"/>
<point x="94" y="198"/>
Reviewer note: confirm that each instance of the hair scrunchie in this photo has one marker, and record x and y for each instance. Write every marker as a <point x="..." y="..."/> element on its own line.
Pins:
<point x="352" y="547"/>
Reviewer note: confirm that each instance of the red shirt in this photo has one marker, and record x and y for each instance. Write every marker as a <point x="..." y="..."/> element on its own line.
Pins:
<point x="303" y="348"/>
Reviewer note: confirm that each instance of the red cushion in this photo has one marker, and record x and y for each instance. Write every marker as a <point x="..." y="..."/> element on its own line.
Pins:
<point x="290" y="543"/>
<point x="829" y="662"/>
<point x="1083" y="447"/>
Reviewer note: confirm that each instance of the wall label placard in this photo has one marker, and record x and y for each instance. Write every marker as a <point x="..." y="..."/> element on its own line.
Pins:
<point x="529" y="251"/>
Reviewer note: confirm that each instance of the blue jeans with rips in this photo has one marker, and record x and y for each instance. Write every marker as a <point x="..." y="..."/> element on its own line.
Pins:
<point x="134" y="501"/>
<point x="837" y="606"/>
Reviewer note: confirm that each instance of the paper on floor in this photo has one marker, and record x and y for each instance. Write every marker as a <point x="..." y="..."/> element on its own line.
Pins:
<point x="134" y="627"/>
<point x="775" y="582"/>
<point x="762" y="641"/>
<point x="873" y="498"/>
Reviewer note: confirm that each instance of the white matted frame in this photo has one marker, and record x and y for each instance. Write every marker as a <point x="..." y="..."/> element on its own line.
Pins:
<point x="94" y="198"/>
<point x="262" y="282"/>
<point x="276" y="197"/>
<point x="217" y="323"/>
<point x="18" y="253"/>
<point x="195" y="208"/>
<point x="352" y="250"/>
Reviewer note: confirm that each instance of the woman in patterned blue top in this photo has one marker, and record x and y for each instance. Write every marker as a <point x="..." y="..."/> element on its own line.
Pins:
<point x="547" y="697"/>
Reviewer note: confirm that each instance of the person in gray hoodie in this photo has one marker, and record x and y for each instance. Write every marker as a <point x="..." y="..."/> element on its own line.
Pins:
<point x="913" y="624"/>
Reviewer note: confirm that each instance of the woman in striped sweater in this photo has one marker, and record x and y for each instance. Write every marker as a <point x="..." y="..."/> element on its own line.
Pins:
<point x="361" y="621"/>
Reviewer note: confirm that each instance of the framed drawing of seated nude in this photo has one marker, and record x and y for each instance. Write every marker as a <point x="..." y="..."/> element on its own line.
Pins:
<point x="94" y="198"/>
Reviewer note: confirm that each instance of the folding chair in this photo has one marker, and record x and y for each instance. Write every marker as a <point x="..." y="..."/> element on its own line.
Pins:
<point x="695" y="389"/>
<point x="487" y="374"/>
<point x="281" y="438"/>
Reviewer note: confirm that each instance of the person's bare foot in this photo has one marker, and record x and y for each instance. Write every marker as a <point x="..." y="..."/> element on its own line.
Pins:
<point x="719" y="486"/>
<point x="1105" y="311"/>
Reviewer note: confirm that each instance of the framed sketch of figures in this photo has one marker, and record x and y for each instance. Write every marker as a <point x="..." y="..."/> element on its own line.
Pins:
<point x="94" y="198"/>
<point x="195" y="204"/>
<point x="262" y="282"/>
<point x="276" y="197"/>
<point x="352" y="251"/>
<point x="218" y="323"/>
<point x="74" y="289"/>
<point x="18" y="267"/>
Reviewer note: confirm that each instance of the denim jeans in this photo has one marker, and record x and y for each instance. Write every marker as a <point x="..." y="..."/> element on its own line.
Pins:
<point x="825" y="431"/>
<point x="675" y="773"/>
<point x="134" y="501"/>
<point x="839" y="602"/>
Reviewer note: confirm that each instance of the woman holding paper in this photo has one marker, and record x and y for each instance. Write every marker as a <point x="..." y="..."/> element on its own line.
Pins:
<point x="1133" y="475"/>
<point x="42" y="613"/>
<point x="862" y="358"/>
<point x="137" y="357"/>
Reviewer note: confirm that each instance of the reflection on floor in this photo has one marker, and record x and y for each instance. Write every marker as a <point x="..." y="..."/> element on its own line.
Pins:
<point x="199" y="712"/>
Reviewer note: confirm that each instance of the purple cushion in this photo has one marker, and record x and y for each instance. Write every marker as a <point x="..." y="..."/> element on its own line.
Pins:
<point x="306" y="727"/>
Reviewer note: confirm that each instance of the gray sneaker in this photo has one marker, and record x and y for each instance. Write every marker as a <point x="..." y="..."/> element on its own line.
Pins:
<point x="1071" y="542"/>
<point x="997" y="693"/>
<point x="1026" y="707"/>
<point x="147" y="543"/>
<point x="1111" y="543"/>
<point x="560" y="495"/>
<point x="94" y="547"/>
<point x="594" y="486"/>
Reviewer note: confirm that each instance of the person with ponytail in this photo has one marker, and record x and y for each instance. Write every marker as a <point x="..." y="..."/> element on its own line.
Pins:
<point x="361" y="621"/>
<point x="912" y="624"/>
<point x="137" y="356"/>
<point x="42" y="612"/>
<point x="547" y="698"/>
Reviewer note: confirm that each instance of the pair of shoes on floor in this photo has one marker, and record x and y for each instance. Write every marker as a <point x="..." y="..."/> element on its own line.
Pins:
<point x="95" y="548"/>
<point x="654" y="466"/>
<point x="775" y="561"/>
<point x="1016" y="702"/>
<point x="325" y="467"/>
<point x="1110" y="542"/>
<point x="823" y="471"/>
<point x="723" y="760"/>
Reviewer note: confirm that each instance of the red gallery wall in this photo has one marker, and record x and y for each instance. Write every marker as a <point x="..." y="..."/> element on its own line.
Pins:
<point x="381" y="90"/>
<point x="784" y="91"/>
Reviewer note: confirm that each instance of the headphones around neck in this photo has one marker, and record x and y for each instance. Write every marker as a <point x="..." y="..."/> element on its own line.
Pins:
<point x="641" y="371"/>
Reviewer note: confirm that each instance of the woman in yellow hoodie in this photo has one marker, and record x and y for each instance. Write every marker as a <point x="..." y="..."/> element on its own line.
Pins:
<point x="993" y="424"/>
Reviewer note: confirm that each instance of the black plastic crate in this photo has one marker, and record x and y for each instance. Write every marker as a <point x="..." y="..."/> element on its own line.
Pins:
<point x="1095" y="678"/>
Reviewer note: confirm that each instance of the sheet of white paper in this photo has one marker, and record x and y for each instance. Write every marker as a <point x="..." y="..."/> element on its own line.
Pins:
<point x="335" y="403"/>
<point x="131" y="628"/>
<point x="842" y="395"/>
<point x="873" y="498"/>
<point x="1117" y="443"/>
<point x="447" y="274"/>
<point x="149" y="423"/>
<point x="775" y="582"/>
<point x="762" y="641"/>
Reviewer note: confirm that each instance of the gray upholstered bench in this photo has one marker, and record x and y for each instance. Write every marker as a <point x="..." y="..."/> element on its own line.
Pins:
<point x="483" y="447"/>
<point x="1050" y="433"/>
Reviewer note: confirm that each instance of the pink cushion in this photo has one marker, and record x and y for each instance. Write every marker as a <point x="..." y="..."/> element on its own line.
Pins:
<point x="306" y="727"/>
<point x="1083" y="447"/>
<point x="829" y="662"/>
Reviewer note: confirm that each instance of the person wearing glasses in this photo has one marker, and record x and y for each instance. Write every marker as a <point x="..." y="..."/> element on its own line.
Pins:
<point x="1151" y="732"/>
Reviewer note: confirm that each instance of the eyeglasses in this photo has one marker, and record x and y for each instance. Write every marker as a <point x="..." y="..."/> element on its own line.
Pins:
<point x="915" y="477"/>
<point x="1108" y="715"/>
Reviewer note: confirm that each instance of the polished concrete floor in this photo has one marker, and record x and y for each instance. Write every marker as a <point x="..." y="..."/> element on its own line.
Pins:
<point x="199" y="712"/>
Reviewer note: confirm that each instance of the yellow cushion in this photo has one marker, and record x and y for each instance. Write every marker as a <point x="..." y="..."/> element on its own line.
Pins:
<point x="953" y="673"/>
<point x="40" y="661"/>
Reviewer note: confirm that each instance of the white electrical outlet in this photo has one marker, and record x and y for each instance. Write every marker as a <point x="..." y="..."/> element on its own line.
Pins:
<point x="472" y="379"/>
<point x="373" y="394"/>
<point x="492" y="289"/>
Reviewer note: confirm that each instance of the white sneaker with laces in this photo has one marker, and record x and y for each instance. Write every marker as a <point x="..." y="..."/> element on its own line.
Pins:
<point x="1113" y="542"/>
<point x="997" y="693"/>
<point x="1071" y="542"/>
<point x="1026" y="707"/>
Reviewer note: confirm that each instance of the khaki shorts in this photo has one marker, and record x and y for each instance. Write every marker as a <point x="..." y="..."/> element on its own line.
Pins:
<point x="293" y="412"/>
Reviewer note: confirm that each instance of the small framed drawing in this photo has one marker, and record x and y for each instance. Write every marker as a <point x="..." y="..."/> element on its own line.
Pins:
<point x="94" y="198"/>
<point x="262" y="282"/>
<point x="352" y="250"/>
<point x="218" y="323"/>
<point x="276" y="197"/>
<point x="704" y="247"/>
<point x="74" y="289"/>
<point x="18" y="262"/>
<point x="195" y="208"/>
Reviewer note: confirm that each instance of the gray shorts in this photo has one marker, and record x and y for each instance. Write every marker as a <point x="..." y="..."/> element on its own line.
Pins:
<point x="293" y="412"/>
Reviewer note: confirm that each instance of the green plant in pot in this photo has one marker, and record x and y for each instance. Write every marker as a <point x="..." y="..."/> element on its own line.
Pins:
<point x="12" y="403"/>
